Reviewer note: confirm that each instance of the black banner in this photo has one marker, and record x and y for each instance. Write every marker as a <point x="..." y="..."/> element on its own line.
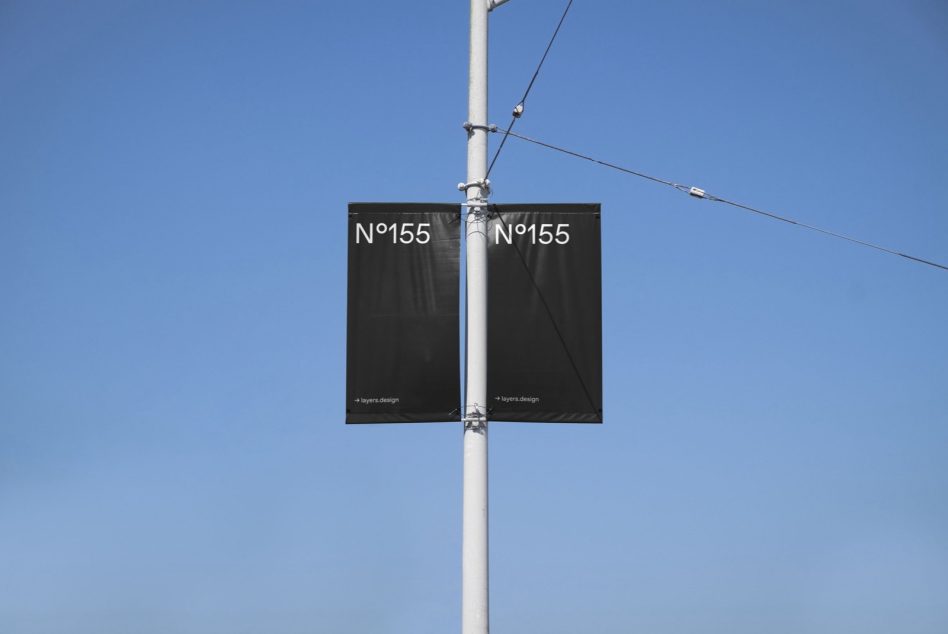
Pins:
<point x="544" y="319"/>
<point x="402" y="360"/>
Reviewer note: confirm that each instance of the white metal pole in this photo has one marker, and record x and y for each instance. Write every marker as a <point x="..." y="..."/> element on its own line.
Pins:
<point x="474" y="578"/>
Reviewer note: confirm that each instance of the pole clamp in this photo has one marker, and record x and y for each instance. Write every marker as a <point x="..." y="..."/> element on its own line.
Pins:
<point x="470" y="127"/>
<point x="482" y="183"/>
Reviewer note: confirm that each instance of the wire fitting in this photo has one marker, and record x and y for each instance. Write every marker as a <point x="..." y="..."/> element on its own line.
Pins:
<point x="697" y="192"/>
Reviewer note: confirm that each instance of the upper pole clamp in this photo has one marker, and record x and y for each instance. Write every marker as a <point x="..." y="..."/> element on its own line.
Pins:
<point x="470" y="127"/>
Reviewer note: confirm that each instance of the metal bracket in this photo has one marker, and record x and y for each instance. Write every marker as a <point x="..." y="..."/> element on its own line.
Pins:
<point x="478" y="210"/>
<point x="475" y="420"/>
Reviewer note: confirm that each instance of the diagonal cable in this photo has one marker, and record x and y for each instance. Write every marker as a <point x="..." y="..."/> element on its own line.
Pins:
<point x="700" y="193"/>
<point x="518" y="110"/>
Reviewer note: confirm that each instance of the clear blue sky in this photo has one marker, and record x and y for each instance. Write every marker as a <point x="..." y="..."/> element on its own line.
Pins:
<point x="173" y="187"/>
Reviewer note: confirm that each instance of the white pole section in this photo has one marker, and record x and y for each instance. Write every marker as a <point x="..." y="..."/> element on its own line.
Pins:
<point x="474" y="580"/>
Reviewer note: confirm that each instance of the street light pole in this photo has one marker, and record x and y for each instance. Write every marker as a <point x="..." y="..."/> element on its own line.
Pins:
<point x="474" y="549"/>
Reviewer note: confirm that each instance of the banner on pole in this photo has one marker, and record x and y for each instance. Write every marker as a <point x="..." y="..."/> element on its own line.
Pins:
<point x="544" y="320"/>
<point x="402" y="359"/>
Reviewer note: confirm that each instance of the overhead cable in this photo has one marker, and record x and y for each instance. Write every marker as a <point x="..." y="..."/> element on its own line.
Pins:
<point x="518" y="109"/>
<point x="696" y="192"/>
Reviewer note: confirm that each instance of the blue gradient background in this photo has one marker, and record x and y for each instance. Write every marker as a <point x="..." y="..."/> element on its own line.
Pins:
<point x="173" y="185"/>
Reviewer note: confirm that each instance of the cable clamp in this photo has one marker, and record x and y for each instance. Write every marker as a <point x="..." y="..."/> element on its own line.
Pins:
<point x="696" y="192"/>
<point x="470" y="127"/>
<point x="482" y="183"/>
